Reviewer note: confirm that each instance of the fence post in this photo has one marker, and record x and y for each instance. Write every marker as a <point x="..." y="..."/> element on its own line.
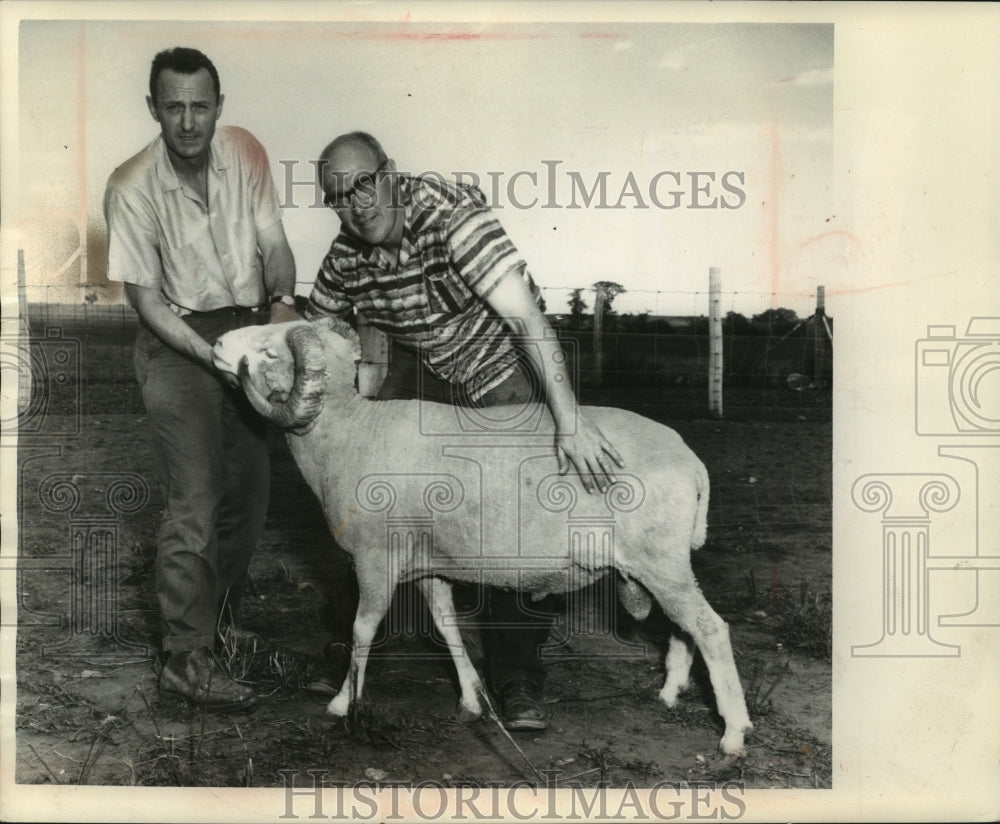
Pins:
<point x="374" y="363"/>
<point x="714" y="342"/>
<point x="24" y="376"/>
<point x="819" y="335"/>
<point x="599" y="301"/>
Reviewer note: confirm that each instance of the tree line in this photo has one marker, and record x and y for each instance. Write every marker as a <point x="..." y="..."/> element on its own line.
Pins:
<point x="770" y="322"/>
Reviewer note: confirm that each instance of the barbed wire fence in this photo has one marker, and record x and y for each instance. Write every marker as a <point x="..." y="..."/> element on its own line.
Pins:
<point x="766" y="363"/>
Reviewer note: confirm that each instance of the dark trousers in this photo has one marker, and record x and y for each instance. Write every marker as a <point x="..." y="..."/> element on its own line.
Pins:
<point x="212" y="452"/>
<point x="515" y="628"/>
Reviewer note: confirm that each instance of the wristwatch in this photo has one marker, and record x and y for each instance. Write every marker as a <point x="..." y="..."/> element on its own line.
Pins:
<point x="288" y="300"/>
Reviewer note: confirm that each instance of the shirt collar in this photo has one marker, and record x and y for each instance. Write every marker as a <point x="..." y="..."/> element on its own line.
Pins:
<point x="218" y="161"/>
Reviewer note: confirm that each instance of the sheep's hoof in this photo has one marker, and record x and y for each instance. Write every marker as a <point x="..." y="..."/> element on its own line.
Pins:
<point x="737" y="754"/>
<point x="731" y="744"/>
<point x="339" y="705"/>
<point x="670" y="692"/>
<point x="467" y="715"/>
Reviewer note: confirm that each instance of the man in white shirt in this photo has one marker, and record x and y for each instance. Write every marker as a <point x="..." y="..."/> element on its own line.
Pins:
<point x="195" y="234"/>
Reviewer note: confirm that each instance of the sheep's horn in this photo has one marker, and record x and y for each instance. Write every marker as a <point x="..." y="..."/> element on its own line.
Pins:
<point x="306" y="398"/>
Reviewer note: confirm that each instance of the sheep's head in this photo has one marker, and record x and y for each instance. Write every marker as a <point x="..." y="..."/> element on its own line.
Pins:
<point x="282" y="368"/>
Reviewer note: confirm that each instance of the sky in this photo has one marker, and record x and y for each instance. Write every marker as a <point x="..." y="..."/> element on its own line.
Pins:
<point x="713" y="142"/>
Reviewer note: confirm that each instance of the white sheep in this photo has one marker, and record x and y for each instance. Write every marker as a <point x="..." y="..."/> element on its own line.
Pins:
<point x="426" y="492"/>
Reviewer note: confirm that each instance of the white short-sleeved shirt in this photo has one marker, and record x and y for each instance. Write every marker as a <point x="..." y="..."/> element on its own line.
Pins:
<point x="161" y="235"/>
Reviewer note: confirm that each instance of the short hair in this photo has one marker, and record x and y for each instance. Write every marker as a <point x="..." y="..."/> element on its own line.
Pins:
<point x="183" y="61"/>
<point x="363" y="138"/>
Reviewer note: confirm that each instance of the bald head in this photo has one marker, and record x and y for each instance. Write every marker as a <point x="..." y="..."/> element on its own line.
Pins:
<point x="358" y="183"/>
<point x="354" y="150"/>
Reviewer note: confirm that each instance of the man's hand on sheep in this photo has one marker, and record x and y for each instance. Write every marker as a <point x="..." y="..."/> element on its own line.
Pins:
<point x="590" y="452"/>
<point x="577" y="439"/>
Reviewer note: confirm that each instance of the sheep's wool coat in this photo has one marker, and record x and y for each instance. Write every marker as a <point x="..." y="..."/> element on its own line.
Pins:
<point x="478" y="491"/>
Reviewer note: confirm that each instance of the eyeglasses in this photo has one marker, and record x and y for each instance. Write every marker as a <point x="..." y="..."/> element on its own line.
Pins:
<point x="364" y="187"/>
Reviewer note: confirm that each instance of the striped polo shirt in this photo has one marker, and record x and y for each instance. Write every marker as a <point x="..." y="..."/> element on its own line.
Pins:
<point x="453" y="253"/>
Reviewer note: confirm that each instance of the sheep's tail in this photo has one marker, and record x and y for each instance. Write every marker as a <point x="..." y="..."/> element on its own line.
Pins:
<point x="700" y="532"/>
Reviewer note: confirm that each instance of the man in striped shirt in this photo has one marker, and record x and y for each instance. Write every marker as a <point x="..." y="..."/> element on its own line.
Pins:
<point x="428" y="263"/>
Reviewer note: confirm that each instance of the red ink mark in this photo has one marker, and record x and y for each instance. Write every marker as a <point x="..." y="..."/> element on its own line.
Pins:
<point x="444" y="37"/>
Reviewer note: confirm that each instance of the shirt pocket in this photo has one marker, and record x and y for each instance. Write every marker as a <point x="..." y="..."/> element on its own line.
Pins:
<point x="447" y="293"/>
<point x="185" y="273"/>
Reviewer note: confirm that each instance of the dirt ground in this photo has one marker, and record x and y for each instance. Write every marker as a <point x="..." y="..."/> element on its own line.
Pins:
<point x="88" y="711"/>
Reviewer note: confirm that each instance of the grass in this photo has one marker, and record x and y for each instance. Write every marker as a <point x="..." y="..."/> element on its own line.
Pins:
<point x="605" y="761"/>
<point x="808" y="625"/>
<point x="801" y="618"/>
<point x="761" y="681"/>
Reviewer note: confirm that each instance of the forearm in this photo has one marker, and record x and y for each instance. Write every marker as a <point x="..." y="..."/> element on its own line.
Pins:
<point x="279" y="272"/>
<point x="279" y="263"/>
<point x="512" y="300"/>
<point x="166" y="325"/>
<point x="549" y="361"/>
<point x="577" y="439"/>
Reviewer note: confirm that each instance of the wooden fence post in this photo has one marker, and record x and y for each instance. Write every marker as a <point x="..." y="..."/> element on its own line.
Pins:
<point x="819" y="335"/>
<point x="714" y="342"/>
<point x="375" y="355"/>
<point x="599" y="301"/>
<point x="24" y="375"/>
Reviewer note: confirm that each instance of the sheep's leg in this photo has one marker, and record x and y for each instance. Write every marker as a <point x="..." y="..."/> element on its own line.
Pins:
<point x="437" y="593"/>
<point x="678" y="664"/>
<point x="684" y="604"/>
<point x="372" y="605"/>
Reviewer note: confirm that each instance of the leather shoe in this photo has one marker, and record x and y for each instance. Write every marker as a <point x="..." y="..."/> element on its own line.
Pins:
<point x="522" y="707"/>
<point x="199" y="677"/>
